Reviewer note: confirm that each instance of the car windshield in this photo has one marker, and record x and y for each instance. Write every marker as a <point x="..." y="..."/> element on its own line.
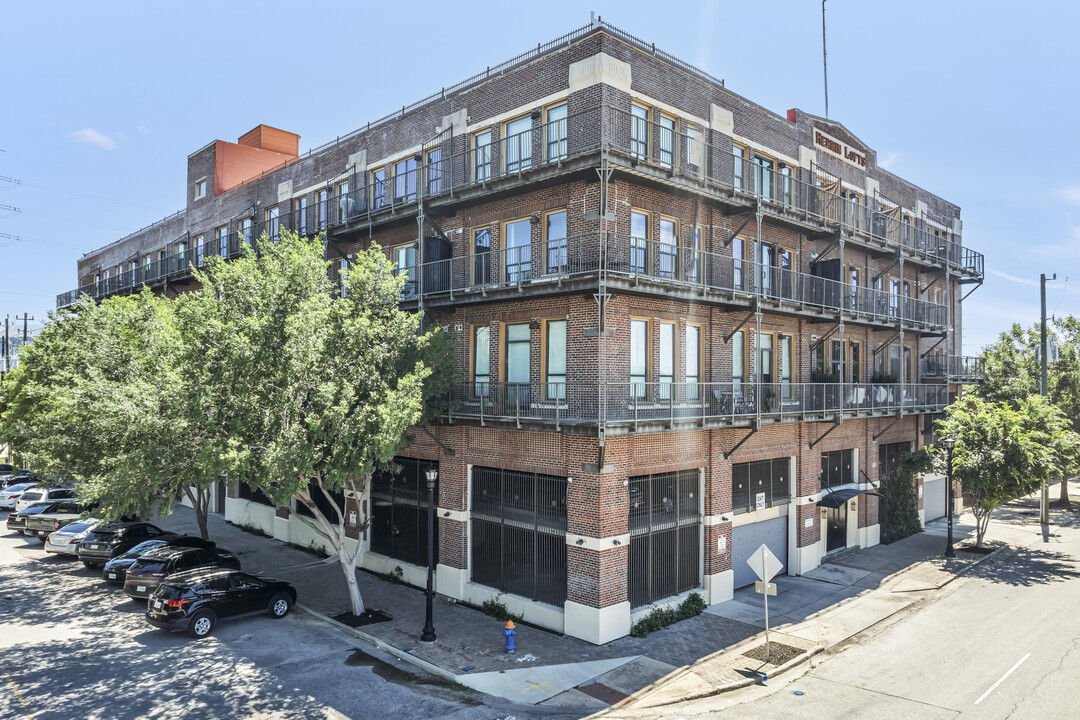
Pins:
<point x="143" y="548"/>
<point x="78" y="527"/>
<point x="148" y="566"/>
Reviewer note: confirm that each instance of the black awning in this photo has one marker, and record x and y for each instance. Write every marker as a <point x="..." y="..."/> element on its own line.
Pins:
<point x="836" y="498"/>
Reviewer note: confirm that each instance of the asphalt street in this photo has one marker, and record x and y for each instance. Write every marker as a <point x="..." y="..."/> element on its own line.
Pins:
<point x="72" y="646"/>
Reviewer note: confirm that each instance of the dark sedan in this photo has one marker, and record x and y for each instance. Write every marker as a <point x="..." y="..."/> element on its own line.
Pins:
<point x="16" y="521"/>
<point x="195" y="600"/>
<point x="105" y="542"/>
<point x="146" y="573"/>
<point x="116" y="569"/>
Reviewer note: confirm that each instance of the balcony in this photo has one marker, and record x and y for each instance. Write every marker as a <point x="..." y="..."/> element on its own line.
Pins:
<point x="955" y="369"/>
<point x="630" y="407"/>
<point x="641" y="265"/>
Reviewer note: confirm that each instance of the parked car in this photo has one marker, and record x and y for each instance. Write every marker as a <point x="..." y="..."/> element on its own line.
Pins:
<point x="194" y="601"/>
<point x="41" y="524"/>
<point x="146" y="573"/>
<point x="66" y="541"/>
<point x="11" y="493"/>
<point x="7" y="470"/>
<point x="115" y="571"/>
<point x="16" y="521"/>
<point x="22" y="476"/>
<point x="39" y="494"/>
<point x="107" y="541"/>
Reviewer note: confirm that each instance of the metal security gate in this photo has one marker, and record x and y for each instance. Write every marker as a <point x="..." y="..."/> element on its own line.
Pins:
<point x="518" y="539"/>
<point x="665" y="536"/>
<point x="399" y="512"/>
<point x="934" y="501"/>
<point x="745" y="539"/>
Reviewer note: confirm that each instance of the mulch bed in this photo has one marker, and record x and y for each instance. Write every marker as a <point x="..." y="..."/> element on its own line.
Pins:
<point x="984" y="550"/>
<point x="368" y="618"/>
<point x="779" y="654"/>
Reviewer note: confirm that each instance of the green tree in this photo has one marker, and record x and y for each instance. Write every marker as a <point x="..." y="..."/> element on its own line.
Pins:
<point x="1063" y="378"/>
<point x="1010" y="367"/>
<point x="900" y="511"/>
<point x="318" y="390"/>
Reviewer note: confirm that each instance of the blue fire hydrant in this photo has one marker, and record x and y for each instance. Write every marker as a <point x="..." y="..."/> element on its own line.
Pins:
<point x="509" y="632"/>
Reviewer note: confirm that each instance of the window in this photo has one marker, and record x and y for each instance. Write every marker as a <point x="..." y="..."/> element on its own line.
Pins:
<point x="556" y="133"/>
<point x="343" y="272"/>
<point x="739" y="155"/>
<point x="254" y="494"/>
<point x="763" y="176"/>
<point x="665" y="535"/>
<point x="301" y="215"/>
<point x="693" y="362"/>
<point x="200" y="188"/>
<point x="518" y="533"/>
<point x="482" y="156"/>
<point x="331" y="503"/>
<point x="518" y="370"/>
<point x="345" y="205"/>
<point x="434" y="171"/>
<point x="97" y="282"/>
<point x="161" y="262"/>
<point x="667" y="141"/>
<point x="766" y="268"/>
<point x="889" y="456"/>
<point x="639" y="132"/>
<point x="321" y="201"/>
<point x="853" y="283"/>
<point x="517" y="237"/>
<point x="763" y="359"/>
<point x="555" y="360"/>
<point x="147" y="262"/>
<point x="181" y="257"/>
<point x="695" y="262"/>
<point x="133" y="266"/>
<point x="894" y="297"/>
<point x="555" y="231"/>
<point x="378" y="188"/>
<point x="785" y="185"/>
<point x="760" y="485"/>
<point x="481" y="364"/>
<point x="247" y="234"/>
<point x="519" y="144"/>
<point x="837" y="468"/>
<point x="639" y="241"/>
<point x="399" y="510"/>
<point x="856" y="354"/>
<point x="482" y="256"/>
<point x="695" y="146"/>
<point x="894" y="362"/>
<point x="666" y="362"/>
<point x="405" y="262"/>
<point x="273" y="226"/>
<point x="737" y="267"/>
<point x="405" y="180"/>
<point x="668" y="250"/>
<point x="738" y="363"/>
<point x="787" y="364"/>
<point x="223" y="238"/>
<point x="200" y="249"/>
<point x="639" y="358"/>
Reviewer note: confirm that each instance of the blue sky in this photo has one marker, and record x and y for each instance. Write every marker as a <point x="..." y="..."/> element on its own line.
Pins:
<point x="974" y="101"/>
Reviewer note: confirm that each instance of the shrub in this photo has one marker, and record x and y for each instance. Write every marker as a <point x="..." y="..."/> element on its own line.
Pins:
<point x="899" y="511"/>
<point x="660" y="618"/>
<point x="498" y="610"/>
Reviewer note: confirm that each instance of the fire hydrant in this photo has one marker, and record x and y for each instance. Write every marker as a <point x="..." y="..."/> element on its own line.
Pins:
<point x="509" y="632"/>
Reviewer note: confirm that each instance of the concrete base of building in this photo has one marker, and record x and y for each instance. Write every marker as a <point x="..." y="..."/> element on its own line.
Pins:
<point x="922" y="517"/>
<point x="597" y="625"/>
<point x="281" y="530"/>
<point x="410" y="574"/>
<point x="805" y="559"/>
<point x="454" y="583"/>
<point x="720" y="587"/>
<point x="869" y="536"/>
<point x="246" y="513"/>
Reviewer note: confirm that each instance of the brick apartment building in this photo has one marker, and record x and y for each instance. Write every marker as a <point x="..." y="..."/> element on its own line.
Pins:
<point x="685" y="325"/>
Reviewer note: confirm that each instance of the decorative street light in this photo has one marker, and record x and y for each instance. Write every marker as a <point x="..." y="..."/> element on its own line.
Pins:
<point x="431" y="474"/>
<point x="949" y="442"/>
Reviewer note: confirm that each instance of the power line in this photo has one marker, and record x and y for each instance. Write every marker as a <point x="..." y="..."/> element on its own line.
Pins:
<point x="20" y="238"/>
<point x="16" y="182"/>
<point x="15" y="210"/>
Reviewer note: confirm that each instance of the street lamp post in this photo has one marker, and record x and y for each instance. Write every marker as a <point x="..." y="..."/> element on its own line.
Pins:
<point x="949" y="442"/>
<point x="431" y="474"/>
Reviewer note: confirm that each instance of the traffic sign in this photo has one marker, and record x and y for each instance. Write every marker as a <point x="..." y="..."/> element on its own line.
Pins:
<point x="765" y="588"/>
<point x="764" y="564"/>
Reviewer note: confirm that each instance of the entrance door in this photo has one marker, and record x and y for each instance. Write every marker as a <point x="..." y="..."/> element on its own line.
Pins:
<point x="836" y="532"/>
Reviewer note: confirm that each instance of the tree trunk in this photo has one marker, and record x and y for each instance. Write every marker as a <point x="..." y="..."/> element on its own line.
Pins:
<point x="348" y="564"/>
<point x="335" y="535"/>
<point x="1064" y="489"/>
<point x="200" y="504"/>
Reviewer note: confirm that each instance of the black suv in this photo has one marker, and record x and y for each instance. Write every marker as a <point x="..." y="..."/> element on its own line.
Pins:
<point x="116" y="569"/>
<point x="146" y="573"/>
<point x="193" y="601"/>
<point x="107" y="541"/>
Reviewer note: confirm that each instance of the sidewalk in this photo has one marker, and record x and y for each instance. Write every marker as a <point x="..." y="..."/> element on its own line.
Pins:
<point x="694" y="658"/>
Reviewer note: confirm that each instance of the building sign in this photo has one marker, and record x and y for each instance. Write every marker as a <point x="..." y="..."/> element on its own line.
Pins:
<point x="840" y="149"/>
<point x="759" y="501"/>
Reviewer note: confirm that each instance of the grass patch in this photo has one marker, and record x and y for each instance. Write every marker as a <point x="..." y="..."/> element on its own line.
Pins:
<point x="250" y="529"/>
<point x="313" y="548"/>
<point x="497" y="609"/>
<point x="660" y="618"/>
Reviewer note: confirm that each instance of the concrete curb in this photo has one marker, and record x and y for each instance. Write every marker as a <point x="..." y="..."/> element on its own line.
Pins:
<point x="975" y="564"/>
<point x="381" y="644"/>
<point x="780" y="670"/>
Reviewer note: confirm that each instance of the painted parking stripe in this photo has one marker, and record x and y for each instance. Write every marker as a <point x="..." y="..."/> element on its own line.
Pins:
<point x="1002" y="678"/>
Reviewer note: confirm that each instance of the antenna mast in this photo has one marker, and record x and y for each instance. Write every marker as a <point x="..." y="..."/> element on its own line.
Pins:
<point x="824" y="58"/>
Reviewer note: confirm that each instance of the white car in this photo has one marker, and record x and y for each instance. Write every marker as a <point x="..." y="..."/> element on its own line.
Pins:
<point x="9" y="495"/>
<point x="65" y="541"/>
<point x="40" y="494"/>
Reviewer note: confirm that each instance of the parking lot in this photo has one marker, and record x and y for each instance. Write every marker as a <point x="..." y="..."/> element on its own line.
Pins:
<point x="72" y="646"/>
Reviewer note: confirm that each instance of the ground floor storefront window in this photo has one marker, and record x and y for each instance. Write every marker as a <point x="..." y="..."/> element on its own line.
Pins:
<point x="665" y="535"/>
<point x="399" y="508"/>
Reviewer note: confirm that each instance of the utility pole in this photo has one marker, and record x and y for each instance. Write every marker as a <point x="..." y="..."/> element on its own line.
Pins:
<point x="7" y="347"/>
<point x="1044" y="504"/>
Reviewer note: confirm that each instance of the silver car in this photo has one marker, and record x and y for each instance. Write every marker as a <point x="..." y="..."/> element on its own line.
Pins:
<point x="41" y="494"/>
<point x="10" y="494"/>
<point x="65" y="541"/>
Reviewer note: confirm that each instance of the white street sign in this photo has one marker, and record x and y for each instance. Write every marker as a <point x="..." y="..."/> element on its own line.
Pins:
<point x="764" y="588"/>
<point x="764" y="563"/>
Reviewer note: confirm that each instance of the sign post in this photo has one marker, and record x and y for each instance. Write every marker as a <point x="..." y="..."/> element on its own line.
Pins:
<point x="765" y="565"/>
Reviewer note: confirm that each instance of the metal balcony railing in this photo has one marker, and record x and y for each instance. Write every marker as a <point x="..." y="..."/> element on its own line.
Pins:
<point x="955" y="368"/>
<point x="615" y="403"/>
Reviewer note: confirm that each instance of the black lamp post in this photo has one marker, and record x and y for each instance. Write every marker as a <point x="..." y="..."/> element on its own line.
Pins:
<point x="949" y="442"/>
<point x="431" y="474"/>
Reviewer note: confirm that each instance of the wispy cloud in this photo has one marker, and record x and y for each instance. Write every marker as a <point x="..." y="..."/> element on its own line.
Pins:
<point x="1012" y="278"/>
<point x="890" y="159"/>
<point x="1070" y="195"/>
<point x="143" y="129"/>
<point x="95" y="138"/>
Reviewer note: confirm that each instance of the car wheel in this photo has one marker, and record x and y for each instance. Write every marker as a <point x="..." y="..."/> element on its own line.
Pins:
<point x="201" y="624"/>
<point x="90" y="565"/>
<point x="279" y="605"/>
